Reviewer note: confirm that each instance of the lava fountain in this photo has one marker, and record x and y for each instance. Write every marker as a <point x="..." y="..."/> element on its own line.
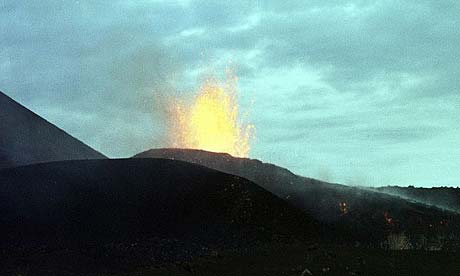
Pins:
<point x="210" y="121"/>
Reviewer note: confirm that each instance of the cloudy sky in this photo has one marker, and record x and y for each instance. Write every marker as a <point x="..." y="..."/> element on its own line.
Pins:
<point x="356" y="92"/>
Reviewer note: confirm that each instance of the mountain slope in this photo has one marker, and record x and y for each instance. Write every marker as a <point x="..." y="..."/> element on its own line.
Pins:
<point x="367" y="215"/>
<point x="100" y="201"/>
<point x="442" y="197"/>
<point x="167" y="217"/>
<point x="278" y="180"/>
<point x="26" y="138"/>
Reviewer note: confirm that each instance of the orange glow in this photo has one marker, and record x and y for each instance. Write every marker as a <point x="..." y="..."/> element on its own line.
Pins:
<point x="388" y="218"/>
<point x="211" y="121"/>
<point x="343" y="208"/>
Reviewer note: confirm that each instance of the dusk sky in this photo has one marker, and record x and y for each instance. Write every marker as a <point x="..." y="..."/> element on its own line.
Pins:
<point x="354" y="92"/>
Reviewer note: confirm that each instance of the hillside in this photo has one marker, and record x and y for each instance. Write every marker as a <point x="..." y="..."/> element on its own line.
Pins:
<point x="443" y="197"/>
<point x="168" y="217"/>
<point x="26" y="138"/>
<point x="366" y="215"/>
<point x="160" y="209"/>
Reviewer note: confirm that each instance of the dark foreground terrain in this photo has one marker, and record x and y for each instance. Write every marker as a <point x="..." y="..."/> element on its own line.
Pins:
<point x="100" y="214"/>
<point x="168" y="217"/>
<point x="297" y="261"/>
<point x="274" y="259"/>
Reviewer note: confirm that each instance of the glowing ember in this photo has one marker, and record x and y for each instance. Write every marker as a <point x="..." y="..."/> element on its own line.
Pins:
<point x="388" y="218"/>
<point x="211" y="121"/>
<point x="343" y="208"/>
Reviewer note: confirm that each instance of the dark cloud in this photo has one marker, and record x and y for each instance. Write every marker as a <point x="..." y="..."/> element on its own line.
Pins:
<point x="355" y="41"/>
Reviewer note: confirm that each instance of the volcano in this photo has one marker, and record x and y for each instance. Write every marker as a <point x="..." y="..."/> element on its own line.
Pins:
<point x="26" y="138"/>
<point x="184" y="211"/>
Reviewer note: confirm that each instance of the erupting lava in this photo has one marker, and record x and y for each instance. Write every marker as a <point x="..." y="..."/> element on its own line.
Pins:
<point x="211" y="121"/>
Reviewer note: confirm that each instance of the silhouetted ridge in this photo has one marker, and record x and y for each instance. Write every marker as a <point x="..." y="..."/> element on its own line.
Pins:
<point x="26" y="138"/>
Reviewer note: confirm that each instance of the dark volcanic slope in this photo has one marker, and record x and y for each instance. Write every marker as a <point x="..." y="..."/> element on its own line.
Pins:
<point x="368" y="215"/>
<point x="101" y="201"/>
<point x="273" y="178"/>
<point x="26" y="138"/>
<point x="443" y="197"/>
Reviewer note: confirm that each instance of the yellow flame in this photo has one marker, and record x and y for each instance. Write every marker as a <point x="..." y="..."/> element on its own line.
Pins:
<point x="211" y="121"/>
